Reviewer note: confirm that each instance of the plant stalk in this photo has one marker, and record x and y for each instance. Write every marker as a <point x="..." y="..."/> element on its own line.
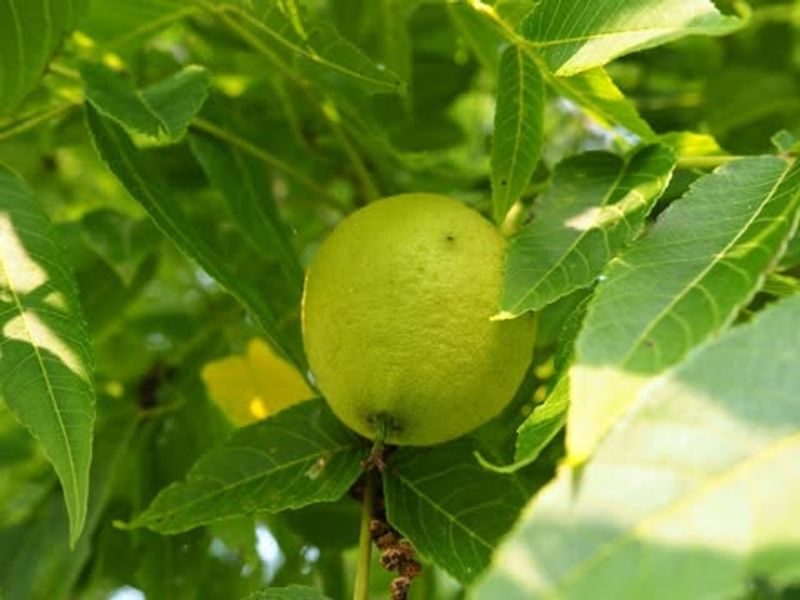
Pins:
<point x="361" y="589"/>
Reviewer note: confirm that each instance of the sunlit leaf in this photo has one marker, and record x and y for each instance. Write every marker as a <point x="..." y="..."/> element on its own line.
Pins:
<point x="576" y="36"/>
<point x="30" y="33"/>
<point x="518" y="128"/>
<point x="692" y="496"/>
<point x="45" y="351"/>
<point x="595" y="206"/>
<point x="596" y="93"/>
<point x="300" y="456"/>
<point x="485" y="30"/>
<point x="684" y="281"/>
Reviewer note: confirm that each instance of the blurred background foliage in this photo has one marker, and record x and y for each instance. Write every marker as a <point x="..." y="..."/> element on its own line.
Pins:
<point x="169" y="341"/>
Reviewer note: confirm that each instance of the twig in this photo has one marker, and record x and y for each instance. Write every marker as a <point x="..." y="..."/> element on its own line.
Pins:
<point x="361" y="590"/>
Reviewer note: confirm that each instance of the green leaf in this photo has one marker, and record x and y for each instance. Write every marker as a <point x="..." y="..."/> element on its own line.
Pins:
<point x="595" y="206"/>
<point x="292" y="592"/>
<point x="45" y="350"/>
<point x="300" y="456"/>
<point x="115" y="22"/>
<point x="30" y="33"/>
<point x="26" y="477"/>
<point x="123" y="242"/>
<point x="37" y="560"/>
<point x="692" y="496"/>
<point x="451" y="509"/>
<point x="478" y="33"/>
<point x="485" y="30"/>
<point x="324" y="55"/>
<point x="246" y="189"/>
<point x="574" y="37"/>
<point x="684" y="281"/>
<point x="162" y="110"/>
<point x="786" y="142"/>
<point x="598" y="95"/>
<point x="542" y="425"/>
<point x="126" y="162"/>
<point x="518" y="128"/>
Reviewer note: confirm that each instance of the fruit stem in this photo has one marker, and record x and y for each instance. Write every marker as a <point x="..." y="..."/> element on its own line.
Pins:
<point x="361" y="589"/>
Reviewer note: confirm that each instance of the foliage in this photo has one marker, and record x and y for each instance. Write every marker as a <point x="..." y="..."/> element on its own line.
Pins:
<point x="168" y="170"/>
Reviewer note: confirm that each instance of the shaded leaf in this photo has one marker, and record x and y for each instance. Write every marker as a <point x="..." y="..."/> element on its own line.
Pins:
<point x="30" y="33"/>
<point x="45" y="350"/>
<point x="573" y="37"/>
<point x="684" y="281"/>
<point x="518" y="128"/>
<point x="125" y="161"/>
<point x="162" y="110"/>
<point x="453" y="510"/>
<point x="292" y="592"/>
<point x="116" y="22"/>
<point x="691" y="496"/>
<point x="244" y="184"/>
<point x="300" y="456"/>
<point x="595" y="206"/>
<point x="25" y="477"/>
<point x="121" y="241"/>
<point x="322" y="55"/>
<point x="38" y="562"/>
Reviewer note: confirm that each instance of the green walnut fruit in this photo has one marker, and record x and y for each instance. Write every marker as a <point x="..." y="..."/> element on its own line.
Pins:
<point x="397" y="322"/>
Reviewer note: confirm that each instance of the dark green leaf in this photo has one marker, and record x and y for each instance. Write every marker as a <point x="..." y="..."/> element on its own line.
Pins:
<point x="126" y="162"/>
<point x="246" y="189"/>
<point x="453" y="510"/>
<point x="162" y="110"/>
<point x="682" y="282"/>
<point x="123" y="242"/>
<point x="30" y="33"/>
<point x="321" y="54"/>
<point x="292" y="592"/>
<point x="691" y="497"/>
<point x="518" y="128"/>
<point x="38" y="563"/>
<point x="45" y="350"/>
<point x="300" y="456"/>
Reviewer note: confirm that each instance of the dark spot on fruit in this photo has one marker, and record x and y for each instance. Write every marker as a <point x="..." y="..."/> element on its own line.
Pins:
<point x="450" y="237"/>
<point x="503" y="182"/>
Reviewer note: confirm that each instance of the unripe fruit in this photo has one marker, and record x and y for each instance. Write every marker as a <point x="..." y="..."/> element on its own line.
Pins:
<point x="396" y="321"/>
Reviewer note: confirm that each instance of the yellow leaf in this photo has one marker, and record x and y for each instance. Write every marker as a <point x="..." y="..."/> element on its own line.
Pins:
<point x="255" y="385"/>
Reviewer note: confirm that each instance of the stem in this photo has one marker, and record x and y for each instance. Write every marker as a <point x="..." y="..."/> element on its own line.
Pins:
<point x="30" y="122"/>
<point x="369" y="188"/>
<point x="705" y="162"/>
<point x="65" y="72"/>
<point x="361" y="589"/>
